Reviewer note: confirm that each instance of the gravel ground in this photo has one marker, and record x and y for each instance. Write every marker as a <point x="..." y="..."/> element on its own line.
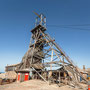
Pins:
<point x="35" y="85"/>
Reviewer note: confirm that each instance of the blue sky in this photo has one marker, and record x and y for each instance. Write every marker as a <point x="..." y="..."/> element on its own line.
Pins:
<point x="17" y="19"/>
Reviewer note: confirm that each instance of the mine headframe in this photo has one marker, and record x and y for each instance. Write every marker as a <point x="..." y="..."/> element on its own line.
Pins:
<point x="44" y="51"/>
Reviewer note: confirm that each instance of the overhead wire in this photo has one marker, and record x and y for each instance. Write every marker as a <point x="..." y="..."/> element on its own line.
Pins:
<point x="71" y="26"/>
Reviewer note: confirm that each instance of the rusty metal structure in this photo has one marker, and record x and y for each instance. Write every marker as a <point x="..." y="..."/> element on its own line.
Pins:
<point x="44" y="53"/>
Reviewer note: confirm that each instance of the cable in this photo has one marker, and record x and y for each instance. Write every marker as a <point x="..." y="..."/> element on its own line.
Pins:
<point x="63" y="26"/>
<point x="72" y="25"/>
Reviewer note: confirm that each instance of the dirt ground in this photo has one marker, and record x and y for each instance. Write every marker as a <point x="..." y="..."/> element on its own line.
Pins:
<point x="35" y="85"/>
